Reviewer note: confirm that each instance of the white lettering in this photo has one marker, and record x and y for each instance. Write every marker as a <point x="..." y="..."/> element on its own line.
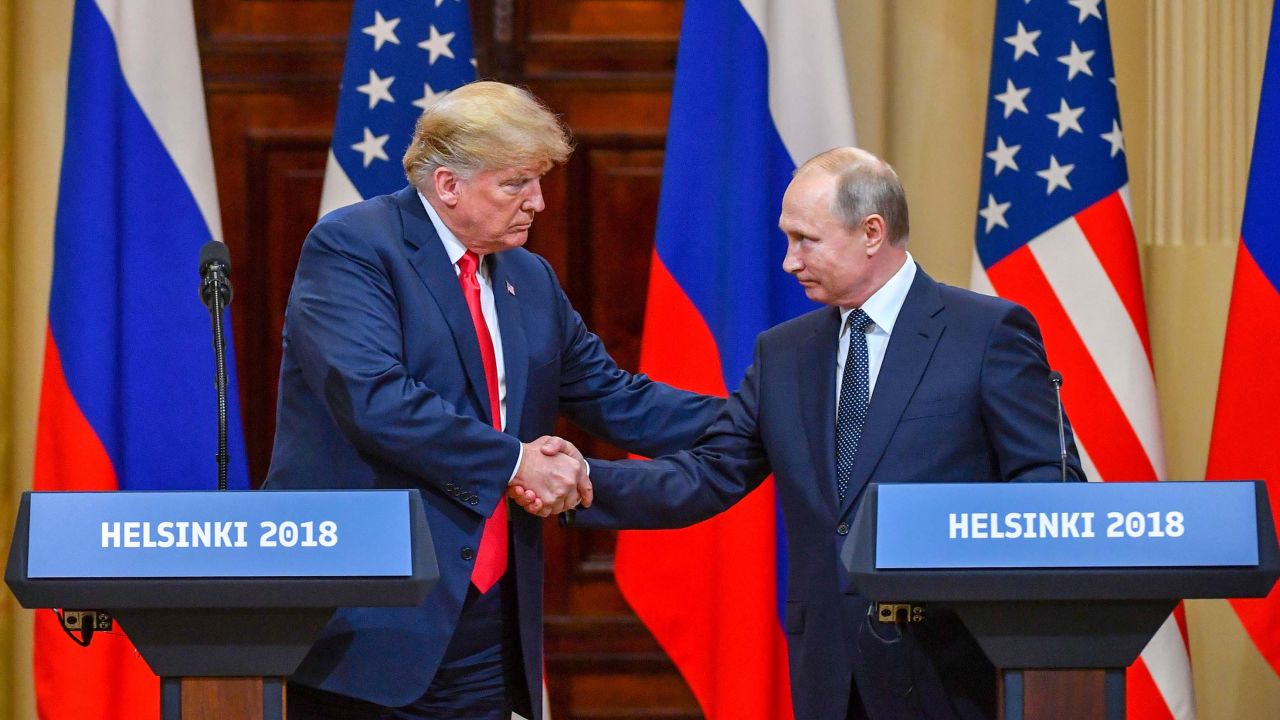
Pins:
<point x="223" y="536"/>
<point x="959" y="525"/>
<point x="165" y="532"/>
<point x="1013" y="523"/>
<point x="201" y="535"/>
<point x="1031" y="525"/>
<point x="996" y="532"/>
<point x="132" y="530"/>
<point x="111" y="534"/>
<point x="1069" y="521"/>
<point x="1049" y="525"/>
<point x="978" y="526"/>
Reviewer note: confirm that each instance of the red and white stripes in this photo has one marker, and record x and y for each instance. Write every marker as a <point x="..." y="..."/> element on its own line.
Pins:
<point x="1082" y="281"/>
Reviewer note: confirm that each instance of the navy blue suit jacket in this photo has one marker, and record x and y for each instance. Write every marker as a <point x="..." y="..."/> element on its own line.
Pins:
<point x="382" y="386"/>
<point x="962" y="395"/>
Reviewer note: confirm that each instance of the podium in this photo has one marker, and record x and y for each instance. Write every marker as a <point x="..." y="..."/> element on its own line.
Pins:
<point x="1047" y="607"/>
<point x="222" y="593"/>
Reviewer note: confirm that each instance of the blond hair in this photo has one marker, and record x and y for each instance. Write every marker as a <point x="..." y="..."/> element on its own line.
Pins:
<point x="484" y="125"/>
<point x="865" y="184"/>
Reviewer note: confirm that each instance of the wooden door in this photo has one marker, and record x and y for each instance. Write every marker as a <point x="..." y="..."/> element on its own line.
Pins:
<point x="271" y="72"/>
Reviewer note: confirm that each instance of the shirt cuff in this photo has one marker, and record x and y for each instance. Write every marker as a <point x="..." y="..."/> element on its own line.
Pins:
<point x="516" y="469"/>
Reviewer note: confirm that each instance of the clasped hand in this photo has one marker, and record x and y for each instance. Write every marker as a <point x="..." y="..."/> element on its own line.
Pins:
<point x="552" y="478"/>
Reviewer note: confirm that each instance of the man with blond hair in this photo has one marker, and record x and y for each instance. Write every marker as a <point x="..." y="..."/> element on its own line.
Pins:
<point x="425" y="348"/>
<point x="899" y="379"/>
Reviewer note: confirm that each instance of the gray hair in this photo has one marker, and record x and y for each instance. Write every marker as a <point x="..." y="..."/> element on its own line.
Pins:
<point x="865" y="185"/>
<point x="484" y="125"/>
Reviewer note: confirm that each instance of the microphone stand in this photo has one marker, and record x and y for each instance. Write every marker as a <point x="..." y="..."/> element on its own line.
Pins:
<point x="1055" y="377"/>
<point x="215" y="291"/>
<point x="220" y="359"/>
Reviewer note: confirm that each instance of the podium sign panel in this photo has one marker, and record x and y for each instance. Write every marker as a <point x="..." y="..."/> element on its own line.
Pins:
<point x="1043" y="589"/>
<point x="1066" y="525"/>
<point x="220" y="534"/>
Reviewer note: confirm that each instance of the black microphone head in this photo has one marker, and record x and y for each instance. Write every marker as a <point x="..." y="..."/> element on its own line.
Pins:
<point x="1055" y="377"/>
<point x="212" y="252"/>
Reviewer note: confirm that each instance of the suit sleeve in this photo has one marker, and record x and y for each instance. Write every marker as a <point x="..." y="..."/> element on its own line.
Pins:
<point x="629" y="410"/>
<point x="1019" y="409"/>
<point x="678" y="490"/>
<point x="343" y="325"/>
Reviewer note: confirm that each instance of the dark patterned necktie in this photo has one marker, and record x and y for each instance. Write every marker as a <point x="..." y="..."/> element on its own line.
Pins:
<point x="854" y="399"/>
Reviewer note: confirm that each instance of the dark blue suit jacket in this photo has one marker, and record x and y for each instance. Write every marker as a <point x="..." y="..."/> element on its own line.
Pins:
<point x="962" y="395"/>
<point x="382" y="386"/>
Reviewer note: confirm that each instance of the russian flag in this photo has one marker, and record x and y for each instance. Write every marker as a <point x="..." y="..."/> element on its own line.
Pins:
<point x="760" y="87"/>
<point x="1243" y="445"/>
<point x="127" y="396"/>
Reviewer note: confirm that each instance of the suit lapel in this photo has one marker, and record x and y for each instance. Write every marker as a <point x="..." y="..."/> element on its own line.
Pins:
<point x="915" y="334"/>
<point x="515" y="351"/>
<point x="817" y="401"/>
<point x="431" y="261"/>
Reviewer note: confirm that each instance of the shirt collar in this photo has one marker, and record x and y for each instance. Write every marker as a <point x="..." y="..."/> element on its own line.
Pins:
<point x="452" y="245"/>
<point x="884" y="304"/>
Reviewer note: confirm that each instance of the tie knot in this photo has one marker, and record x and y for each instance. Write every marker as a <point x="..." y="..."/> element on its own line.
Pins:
<point x="468" y="263"/>
<point x="860" y="321"/>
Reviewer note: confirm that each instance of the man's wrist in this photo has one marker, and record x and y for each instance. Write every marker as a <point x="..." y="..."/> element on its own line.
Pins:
<point x="516" y="470"/>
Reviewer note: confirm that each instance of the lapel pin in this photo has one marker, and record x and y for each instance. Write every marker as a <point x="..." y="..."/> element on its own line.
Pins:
<point x="511" y="288"/>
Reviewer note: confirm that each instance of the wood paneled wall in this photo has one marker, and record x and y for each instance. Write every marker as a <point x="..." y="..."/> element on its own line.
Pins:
<point x="271" y="75"/>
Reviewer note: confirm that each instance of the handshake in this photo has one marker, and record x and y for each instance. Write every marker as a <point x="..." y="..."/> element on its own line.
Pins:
<point x="552" y="478"/>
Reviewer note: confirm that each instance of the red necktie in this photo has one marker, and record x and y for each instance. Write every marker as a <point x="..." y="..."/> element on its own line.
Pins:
<point x="491" y="558"/>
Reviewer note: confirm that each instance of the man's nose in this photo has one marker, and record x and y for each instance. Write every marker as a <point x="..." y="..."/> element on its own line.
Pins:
<point x="534" y="201"/>
<point x="791" y="263"/>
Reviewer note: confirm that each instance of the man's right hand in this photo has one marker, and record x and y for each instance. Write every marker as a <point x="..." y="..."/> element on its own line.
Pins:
<point x="551" y="479"/>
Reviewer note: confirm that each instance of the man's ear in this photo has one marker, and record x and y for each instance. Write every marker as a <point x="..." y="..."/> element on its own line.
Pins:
<point x="447" y="185"/>
<point x="874" y="226"/>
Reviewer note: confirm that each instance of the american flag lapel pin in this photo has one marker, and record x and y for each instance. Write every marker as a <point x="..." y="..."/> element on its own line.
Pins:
<point x="511" y="288"/>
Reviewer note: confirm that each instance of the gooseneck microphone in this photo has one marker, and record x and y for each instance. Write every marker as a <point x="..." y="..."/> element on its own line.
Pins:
<point x="215" y="293"/>
<point x="1055" y="377"/>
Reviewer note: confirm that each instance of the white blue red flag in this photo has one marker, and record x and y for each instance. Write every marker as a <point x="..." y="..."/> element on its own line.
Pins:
<point x="400" y="57"/>
<point x="1055" y="234"/>
<point x="1244" y="446"/>
<point x="760" y="87"/>
<point x="127" y="397"/>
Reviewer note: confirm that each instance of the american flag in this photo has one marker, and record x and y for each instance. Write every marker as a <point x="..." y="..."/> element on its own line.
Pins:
<point x="400" y="58"/>
<point x="1055" y="233"/>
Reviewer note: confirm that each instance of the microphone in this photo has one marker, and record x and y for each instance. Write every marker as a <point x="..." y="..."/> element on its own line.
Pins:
<point x="1055" y="377"/>
<point x="215" y="273"/>
<point x="215" y="292"/>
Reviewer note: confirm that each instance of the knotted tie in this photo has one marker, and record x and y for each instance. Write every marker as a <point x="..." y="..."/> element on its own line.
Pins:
<point x="854" y="399"/>
<point x="491" y="558"/>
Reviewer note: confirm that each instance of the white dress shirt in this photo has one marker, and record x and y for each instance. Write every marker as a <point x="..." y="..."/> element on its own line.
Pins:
<point x="456" y="249"/>
<point x="882" y="307"/>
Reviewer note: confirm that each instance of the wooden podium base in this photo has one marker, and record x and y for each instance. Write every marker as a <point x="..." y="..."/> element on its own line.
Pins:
<point x="219" y="698"/>
<point x="1062" y="694"/>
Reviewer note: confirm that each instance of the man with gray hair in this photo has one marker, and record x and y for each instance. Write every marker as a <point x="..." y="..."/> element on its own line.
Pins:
<point x="898" y="379"/>
<point x="425" y="348"/>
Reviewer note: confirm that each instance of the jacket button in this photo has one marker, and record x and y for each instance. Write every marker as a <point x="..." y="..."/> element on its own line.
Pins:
<point x="468" y="554"/>
<point x="842" y="529"/>
<point x="474" y="499"/>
